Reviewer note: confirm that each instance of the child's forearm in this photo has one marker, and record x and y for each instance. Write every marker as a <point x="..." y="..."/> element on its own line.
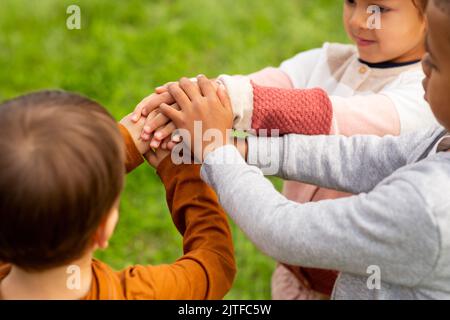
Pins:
<point x="307" y="234"/>
<point x="305" y="111"/>
<point x="354" y="165"/>
<point x="299" y="111"/>
<point x="207" y="269"/>
<point x="133" y="156"/>
<point x="266" y="105"/>
<point x="208" y="266"/>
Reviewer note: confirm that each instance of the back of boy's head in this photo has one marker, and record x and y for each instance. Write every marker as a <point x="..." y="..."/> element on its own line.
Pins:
<point x="61" y="172"/>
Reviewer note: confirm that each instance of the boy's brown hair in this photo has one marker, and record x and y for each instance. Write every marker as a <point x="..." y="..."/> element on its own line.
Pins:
<point x="61" y="172"/>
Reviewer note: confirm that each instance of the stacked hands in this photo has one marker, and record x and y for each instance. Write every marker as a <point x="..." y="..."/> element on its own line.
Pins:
<point x="158" y="122"/>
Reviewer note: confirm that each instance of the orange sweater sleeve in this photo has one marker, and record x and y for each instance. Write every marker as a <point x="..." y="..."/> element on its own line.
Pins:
<point x="207" y="268"/>
<point x="133" y="157"/>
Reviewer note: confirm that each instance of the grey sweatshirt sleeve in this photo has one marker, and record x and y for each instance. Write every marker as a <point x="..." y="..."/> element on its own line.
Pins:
<point x="356" y="164"/>
<point x="351" y="234"/>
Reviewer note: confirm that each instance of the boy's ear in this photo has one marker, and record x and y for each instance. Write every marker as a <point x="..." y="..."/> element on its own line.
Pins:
<point x="106" y="229"/>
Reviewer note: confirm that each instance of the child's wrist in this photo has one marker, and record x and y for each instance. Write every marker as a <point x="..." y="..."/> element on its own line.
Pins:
<point x="240" y="92"/>
<point x="133" y="156"/>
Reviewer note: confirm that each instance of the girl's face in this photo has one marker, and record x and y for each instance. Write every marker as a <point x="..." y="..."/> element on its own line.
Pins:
<point x="395" y="34"/>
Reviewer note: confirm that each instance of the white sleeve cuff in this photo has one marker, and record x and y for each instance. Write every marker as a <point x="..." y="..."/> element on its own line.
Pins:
<point x="240" y="91"/>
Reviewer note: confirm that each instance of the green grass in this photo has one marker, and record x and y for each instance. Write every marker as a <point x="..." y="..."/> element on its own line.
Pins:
<point x="124" y="50"/>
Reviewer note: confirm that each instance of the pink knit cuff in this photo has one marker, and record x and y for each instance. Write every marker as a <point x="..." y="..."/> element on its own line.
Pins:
<point x="292" y="111"/>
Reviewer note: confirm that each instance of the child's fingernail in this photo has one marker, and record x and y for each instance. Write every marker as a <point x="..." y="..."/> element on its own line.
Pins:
<point x="158" y="135"/>
<point x="135" y="117"/>
<point x="176" y="138"/>
<point x="200" y="76"/>
<point x="147" y="129"/>
<point x="155" y="144"/>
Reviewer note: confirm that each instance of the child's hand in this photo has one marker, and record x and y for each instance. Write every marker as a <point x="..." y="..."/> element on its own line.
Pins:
<point x="206" y="104"/>
<point x="170" y="142"/>
<point x="155" y="157"/>
<point x="135" y="129"/>
<point x="149" y="104"/>
<point x="157" y="122"/>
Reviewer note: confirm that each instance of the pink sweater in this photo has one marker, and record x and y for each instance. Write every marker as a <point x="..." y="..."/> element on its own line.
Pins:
<point x="312" y="112"/>
<point x="302" y="111"/>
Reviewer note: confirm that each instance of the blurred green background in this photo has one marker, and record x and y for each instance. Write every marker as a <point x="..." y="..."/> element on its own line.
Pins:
<point x="126" y="48"/>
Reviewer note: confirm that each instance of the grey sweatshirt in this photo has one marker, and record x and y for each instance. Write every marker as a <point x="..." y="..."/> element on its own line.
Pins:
<point x="396" y="229"/>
